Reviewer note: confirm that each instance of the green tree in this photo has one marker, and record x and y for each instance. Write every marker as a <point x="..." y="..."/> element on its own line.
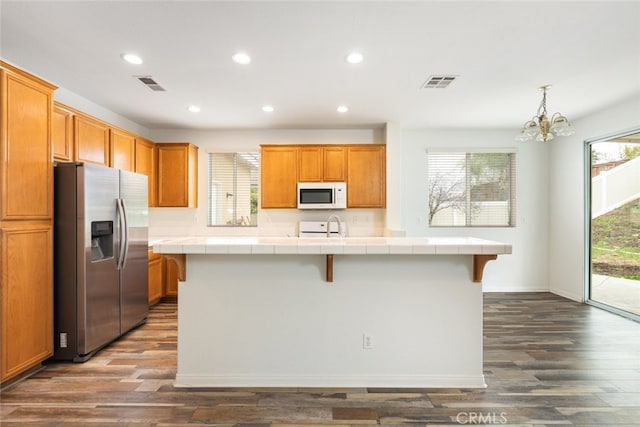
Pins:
<point x="596" y="157"/>
<point x="631" y="151"/>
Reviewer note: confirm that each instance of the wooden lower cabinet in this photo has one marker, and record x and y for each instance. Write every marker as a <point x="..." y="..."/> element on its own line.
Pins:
<point x="170" y="278"/>
<point x="156" y="277"/>
<point x="163" y="278"/>
<point x="26" y="270"/>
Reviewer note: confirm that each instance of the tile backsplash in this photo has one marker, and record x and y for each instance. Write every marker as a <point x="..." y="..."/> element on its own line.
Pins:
<point x="178" y="222"/>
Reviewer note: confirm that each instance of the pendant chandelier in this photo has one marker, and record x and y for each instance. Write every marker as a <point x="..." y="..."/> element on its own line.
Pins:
<point x="543" y="128"/>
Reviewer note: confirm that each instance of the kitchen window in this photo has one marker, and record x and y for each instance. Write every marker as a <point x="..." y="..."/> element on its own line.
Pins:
<point x="471" y="189"/>
<point x="233" y="189"/>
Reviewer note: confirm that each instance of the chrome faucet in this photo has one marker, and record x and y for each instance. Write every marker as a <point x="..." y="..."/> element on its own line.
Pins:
<point x="331" y="218"/>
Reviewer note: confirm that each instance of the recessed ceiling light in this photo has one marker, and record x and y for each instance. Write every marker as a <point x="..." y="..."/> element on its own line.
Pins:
<point x="354" y="58"/>
<point x="267" y="108"/>
<point x="194" y="108"/>
<point x="242" y="58"/>
<point x="342" y="109"/>
<point x="132" y="58"/>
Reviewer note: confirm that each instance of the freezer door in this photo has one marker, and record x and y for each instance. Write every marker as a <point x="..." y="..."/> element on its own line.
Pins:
<point x="133" y="275"/>
<point x="98" y="302"/>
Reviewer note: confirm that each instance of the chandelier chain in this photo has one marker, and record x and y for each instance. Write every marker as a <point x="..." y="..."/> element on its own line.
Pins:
<point x="542" y="109"/>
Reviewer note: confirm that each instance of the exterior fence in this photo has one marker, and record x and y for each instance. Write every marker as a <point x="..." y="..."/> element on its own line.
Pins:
<point x="485" y="214"/>
<point x="615" y="187"/>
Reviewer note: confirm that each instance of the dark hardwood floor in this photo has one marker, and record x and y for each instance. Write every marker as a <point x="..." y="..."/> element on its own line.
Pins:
<point x="548" y="361"/>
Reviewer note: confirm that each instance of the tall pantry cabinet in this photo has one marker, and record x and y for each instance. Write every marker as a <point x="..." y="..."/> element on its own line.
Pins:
<point x="26" y="221"/>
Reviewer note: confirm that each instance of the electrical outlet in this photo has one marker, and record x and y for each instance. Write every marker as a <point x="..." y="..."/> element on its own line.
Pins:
<point x="63" y="340"/>
<point x="367" y="341"/>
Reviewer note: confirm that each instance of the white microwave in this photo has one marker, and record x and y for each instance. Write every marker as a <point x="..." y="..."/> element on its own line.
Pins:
<point x="322" y="195"/>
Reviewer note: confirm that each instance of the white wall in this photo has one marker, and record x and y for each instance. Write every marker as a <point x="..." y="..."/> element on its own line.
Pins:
<point x="567" y="194"/>
<point x="167" y="222"/>
<point x="91" y="108"/>
<point x="526" y="269"/>
<point x="393" y="136"/>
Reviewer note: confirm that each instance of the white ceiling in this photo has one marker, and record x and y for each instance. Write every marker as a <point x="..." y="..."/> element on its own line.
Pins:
<point x="501" y="52"/>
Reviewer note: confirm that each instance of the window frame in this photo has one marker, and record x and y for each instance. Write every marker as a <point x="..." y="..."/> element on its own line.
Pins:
<point x="254" y="189"/>
<point x="512" y="180"/>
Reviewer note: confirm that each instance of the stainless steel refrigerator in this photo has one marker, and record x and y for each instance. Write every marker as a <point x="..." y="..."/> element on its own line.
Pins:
<point x="100" y="257"/>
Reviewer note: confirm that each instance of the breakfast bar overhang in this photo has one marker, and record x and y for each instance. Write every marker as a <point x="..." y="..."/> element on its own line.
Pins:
<point x="264" y="311"/>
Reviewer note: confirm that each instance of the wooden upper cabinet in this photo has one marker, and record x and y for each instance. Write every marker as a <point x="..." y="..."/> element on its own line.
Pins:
<point x="177" y="175"/>
<point x="366" y="176"/>
<point x="146" y="165"/>
<point x="26" y="160"/>
<point x="310" y="163"/>
<point x="361" y="166"/>
<point x="91" y="140"/>
<point x="122" y="147"/>
<point x="335" y="163"/>
<point x="278" y="176"/>
<point x="322" y="163"/>
<point x="62" y="133"/>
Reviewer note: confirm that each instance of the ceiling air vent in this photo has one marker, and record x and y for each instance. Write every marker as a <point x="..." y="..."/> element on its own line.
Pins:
<point x="438" y="82"/>
<point x="150" y="83"/>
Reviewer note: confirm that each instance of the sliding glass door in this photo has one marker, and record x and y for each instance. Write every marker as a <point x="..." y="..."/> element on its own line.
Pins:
<point x="614" y="226"/>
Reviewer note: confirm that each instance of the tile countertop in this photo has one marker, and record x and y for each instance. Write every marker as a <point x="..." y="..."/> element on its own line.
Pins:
<point x="332" y="245"/>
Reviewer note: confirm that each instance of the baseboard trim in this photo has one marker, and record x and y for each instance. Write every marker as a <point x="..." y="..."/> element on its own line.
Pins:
<point x="567" y="295"/>
<point x="519" y="290"/>
<point x="337" y="381"/>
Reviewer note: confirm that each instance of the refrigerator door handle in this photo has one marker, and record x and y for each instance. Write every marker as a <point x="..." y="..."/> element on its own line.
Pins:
<point x="123" y="238"/>
<point x="125" y="256"/>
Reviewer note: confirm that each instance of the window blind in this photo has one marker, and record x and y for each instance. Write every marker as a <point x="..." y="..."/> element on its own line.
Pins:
<point x="471" y="189"/>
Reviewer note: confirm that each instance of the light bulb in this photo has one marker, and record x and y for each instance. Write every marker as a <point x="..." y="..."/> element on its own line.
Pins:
<point x="242" y="58"/>
<point x="132" y="58"/>
<point x="354" y="58"/>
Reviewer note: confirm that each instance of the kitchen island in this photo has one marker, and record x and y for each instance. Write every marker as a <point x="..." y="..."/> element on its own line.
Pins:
<point x="338" y="312"/>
